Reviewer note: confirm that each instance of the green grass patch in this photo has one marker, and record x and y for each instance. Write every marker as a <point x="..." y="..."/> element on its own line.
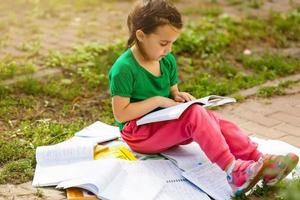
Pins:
<point x="32" y="47"/>
<point x="11" y="151"/>
<point x="274" y="90"/>
<point x="17" y="172"/>
<point x="287" y="24"/>
<point x="53" y="87"/>
<point x="10" y="68"/>
<point x="275" y="65"/>
<point x="256" y="3"/>
<point x="46" y="131"/>
<point x="212" y="11"/>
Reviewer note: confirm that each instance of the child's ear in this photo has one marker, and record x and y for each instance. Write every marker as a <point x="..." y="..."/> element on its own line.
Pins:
<point x="140" y="35"/>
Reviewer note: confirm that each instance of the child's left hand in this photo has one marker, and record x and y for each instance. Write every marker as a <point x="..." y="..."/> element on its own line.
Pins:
<point x="183" y="97"/>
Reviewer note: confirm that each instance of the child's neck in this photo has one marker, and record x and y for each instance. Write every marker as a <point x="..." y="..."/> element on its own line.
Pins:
<point x="140" y="56"/>
<point x="152" y="66"/>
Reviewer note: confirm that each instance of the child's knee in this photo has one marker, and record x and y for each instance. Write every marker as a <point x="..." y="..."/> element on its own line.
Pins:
<point x="196" y="108"/>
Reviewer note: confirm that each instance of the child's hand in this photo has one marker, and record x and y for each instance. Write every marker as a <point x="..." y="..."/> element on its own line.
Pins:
<point x="183" y="97"/>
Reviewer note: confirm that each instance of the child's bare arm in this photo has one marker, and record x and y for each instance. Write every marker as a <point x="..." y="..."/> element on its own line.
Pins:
<point x="125" y="111"/>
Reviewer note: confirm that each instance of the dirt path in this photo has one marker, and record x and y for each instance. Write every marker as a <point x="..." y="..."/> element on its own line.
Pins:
<point x="27" y="28"/>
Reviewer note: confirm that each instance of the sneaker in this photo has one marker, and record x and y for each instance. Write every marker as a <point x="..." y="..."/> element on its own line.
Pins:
<point x="244" y="175"/>
<point x="278" y="167"/>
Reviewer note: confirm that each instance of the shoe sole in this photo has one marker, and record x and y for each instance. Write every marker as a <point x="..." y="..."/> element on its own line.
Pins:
<point x="283" y="175"/>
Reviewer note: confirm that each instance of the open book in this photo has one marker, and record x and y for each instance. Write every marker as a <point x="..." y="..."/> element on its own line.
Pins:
<point x="174" y="112"/>
<point x="119" y="151"/>
<point x="62" y="161"/>
<point x="65" y="160"/>
<point x="119" y="179"/>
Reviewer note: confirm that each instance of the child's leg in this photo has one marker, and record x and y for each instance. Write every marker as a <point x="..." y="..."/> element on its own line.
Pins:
<point x="194" y="124"/>
<point x="239" y="143"/>
<point x="198" y="125"/>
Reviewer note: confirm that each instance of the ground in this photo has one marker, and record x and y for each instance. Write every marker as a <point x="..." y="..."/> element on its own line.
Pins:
<point x="30" y="29"/>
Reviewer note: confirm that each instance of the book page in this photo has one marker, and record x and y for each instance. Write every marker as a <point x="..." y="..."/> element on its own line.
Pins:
<point x="211" y="179"/>
<point x="78" y="148"/>
<point x="133" y="185"/>
<point x="174" y="112"/>
<point x="53" y="175"/>
<point x="186" y="156"/>
<point x="215" y="100"/>
<point x="64" y="153"/>
<point x="169" y="113"/>
<point x="181" y="190"/>
<point x="100" y="129"/>
<point x="93" y="175"/>
<point x="116" y="182"/>
<point x="176" y="186"/>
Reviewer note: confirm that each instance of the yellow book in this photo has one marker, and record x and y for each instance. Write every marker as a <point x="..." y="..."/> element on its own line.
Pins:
<point x="100" y="152"/>
<point x="80" y="194"/>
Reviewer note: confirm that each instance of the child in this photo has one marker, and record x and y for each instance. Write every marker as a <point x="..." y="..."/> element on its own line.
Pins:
<point x="144" y="78"/>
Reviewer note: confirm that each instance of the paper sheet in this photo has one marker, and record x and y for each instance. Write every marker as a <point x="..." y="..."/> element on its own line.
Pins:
<point x="186" y="156"/>
<point x="176" y="187"/>
<point x="211" y="179"/>
<point x="99" y="129"/>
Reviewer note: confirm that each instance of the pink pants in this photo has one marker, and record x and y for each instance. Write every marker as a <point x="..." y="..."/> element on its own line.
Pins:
<point x="221" y="140"/>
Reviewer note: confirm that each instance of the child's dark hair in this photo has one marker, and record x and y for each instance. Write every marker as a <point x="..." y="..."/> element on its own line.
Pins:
<point x="147" y="15"/>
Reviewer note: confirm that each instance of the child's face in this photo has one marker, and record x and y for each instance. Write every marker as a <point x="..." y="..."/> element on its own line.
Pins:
<point x="159" y="43"/>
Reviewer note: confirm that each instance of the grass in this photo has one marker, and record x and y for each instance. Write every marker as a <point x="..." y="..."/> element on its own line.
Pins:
<point x="210" y="57"/>
<point x="33" y="47"/>
<point x="10" y="68"/>
<point x="289" y="190"/>
<point x="274" y="90"/>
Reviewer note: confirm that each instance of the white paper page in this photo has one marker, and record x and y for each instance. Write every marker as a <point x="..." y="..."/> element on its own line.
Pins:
<point x="215" y="100"/>
<point x="169" y="113"/>
<point x="183" y="190"/>
<point x="64" y="153"/>
<point x="79" y="140"/>
<point x="100" y="129"/>
<point x="162" y="168"/>
<point x="133" y="185"/>
<point x="211" y="179"/>
<point x="186" y="156"/>
<point x="83" y="183"/>
<point x="98" y="175"/>
<point x="53" y="175"/>
<point x="279" y="148"/>
<point x="174" y="112"/>
<point x="176" y="187"/>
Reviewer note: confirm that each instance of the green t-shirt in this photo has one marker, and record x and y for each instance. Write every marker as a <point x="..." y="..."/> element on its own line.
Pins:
<point x="128" y="79"/>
